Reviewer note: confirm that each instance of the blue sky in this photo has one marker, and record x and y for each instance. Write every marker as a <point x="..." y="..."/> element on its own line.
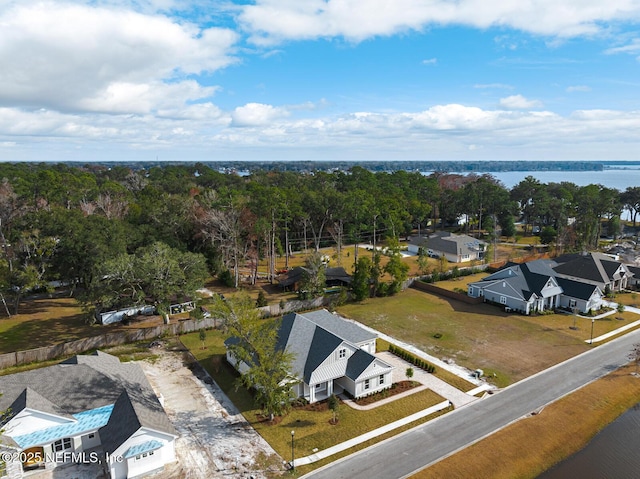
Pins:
<point x="319" y="79"/>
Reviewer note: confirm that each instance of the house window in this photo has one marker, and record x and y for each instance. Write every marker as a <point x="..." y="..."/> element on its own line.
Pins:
<point x="470" y="290"/>
<point x="503" y="300"/>
<point x="62" y="444"/>
<point x="573" y="303"/>
<point x="342" y="353"/>
<point x="366" y="384"/>
<point x="145" y="454"/>
<point x="91" y="436"/>
<point x="381" y="379"/>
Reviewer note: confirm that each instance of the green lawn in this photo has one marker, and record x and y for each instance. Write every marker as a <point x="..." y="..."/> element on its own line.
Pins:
<point x="476" y="336"/>
<point x="312" y="428"/>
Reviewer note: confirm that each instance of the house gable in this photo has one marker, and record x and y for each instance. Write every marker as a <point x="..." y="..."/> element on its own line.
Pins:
<point x="335" y="364"/>
<point x="365" y="366"/>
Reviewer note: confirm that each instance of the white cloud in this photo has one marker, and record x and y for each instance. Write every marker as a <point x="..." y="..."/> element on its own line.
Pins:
<point x="443" y="131"/>
<point x="580" y="88"/>
<point x="518" y="102"/>
<point x="75" y="57"/>
<point x="257" y="114"/>
<point x="430" y="61"/>
<point x="632" y="48"/>
<point x="271" y="21"/>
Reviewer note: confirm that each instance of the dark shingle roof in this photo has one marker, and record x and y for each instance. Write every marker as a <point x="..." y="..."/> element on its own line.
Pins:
<point x="322" y="345"/>
<point x="576" y="289"/>
<point x="30" y="399"/>
<point x="358" y="362"/>
<point x="331" y="274"/>
<point x="123" y="422"/>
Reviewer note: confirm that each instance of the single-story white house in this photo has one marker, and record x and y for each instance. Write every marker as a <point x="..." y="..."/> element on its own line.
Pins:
<point x="331" y="356"/>
<point x="88" y="409"/>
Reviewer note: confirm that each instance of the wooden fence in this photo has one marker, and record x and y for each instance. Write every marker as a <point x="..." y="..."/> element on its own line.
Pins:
<point x="432" y="288"/>
<point x="47" y="353"/>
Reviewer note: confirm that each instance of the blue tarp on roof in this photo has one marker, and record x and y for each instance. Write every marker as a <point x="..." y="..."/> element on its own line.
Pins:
<point x="142" y="448"/>
<point x="90" y="420"/>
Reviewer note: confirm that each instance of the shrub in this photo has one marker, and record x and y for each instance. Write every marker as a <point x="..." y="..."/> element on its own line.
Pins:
<point x="262" y="300"/>
<point x="226" y="278"/>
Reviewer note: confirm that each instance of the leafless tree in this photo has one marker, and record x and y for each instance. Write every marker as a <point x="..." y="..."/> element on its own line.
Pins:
<point x="112" y="207"/>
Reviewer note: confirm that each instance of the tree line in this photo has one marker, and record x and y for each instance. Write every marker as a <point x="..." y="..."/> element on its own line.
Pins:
<point x="114" y="233"/>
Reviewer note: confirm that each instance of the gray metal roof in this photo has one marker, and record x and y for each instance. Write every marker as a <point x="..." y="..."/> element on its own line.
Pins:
<point x="339" y="326"/>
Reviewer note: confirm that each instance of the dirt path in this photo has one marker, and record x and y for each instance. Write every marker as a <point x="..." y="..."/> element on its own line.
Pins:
<point x="215" y="440"/>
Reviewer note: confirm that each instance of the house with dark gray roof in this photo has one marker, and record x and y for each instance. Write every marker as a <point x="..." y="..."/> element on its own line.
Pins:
<point x="536" y="286"/>
<point x="331" y="356"/>
<point x="336" y="276"/>
<point x="594" y="268"/>
<point x="456" y="248"/>
<point x="90" y="408"/>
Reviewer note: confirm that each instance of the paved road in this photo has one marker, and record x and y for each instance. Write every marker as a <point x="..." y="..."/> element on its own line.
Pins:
<point x="407" y="453"/>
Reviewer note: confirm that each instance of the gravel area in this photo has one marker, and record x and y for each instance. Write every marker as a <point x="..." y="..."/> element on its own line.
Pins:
<point x="215" y="439"/>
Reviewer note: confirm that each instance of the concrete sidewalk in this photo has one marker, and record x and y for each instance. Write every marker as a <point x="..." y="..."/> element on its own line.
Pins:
<point x="621" y="329"/>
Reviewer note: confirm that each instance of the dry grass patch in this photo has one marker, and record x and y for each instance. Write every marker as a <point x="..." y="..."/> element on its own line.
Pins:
<point x="460" y="282"/>
<point x="562" y="429"/>
<point x="475" y="336"/>
<point x="44" y="322"/>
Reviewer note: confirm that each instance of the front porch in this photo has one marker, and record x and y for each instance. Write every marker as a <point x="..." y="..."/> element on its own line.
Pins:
<point x="320" y="391"/>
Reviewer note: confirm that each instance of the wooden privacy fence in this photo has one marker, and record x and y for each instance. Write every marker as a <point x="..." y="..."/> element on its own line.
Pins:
<point x="431" y="288"/>
<point x="47" y="353"/>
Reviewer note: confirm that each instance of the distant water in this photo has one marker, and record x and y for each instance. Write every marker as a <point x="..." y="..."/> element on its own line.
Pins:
<point x="611" y="454"/>
<point x="620" y="179"/>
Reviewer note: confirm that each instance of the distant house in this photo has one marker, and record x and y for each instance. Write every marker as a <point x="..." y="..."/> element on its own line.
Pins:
<point x="88" y="408"/>
<point x="634" y="281"/>
<point x="333" y="277"/>
<point x="536" y="286"/>
<point x="456" y="248"/>
<point x="331" y="355"/>
<point x="594" y="268"/>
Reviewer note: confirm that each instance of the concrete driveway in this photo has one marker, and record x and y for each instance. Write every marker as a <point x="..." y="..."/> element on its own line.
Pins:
<point x="457" y="397"/>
